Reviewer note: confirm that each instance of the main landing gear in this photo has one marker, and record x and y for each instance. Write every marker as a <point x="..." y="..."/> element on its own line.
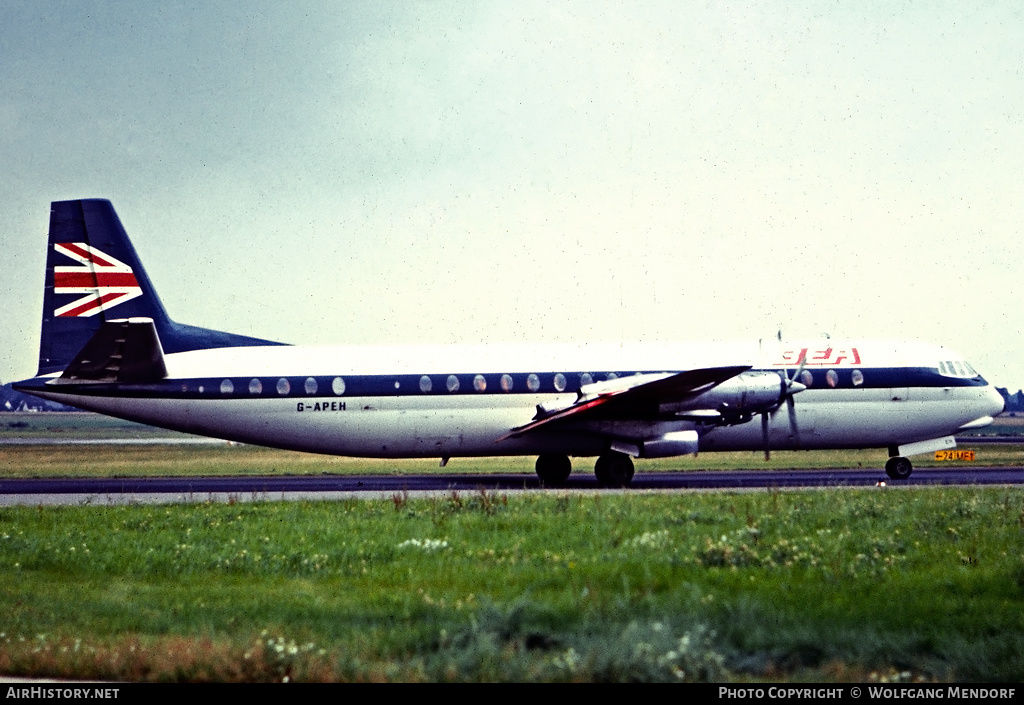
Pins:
<point x="612" y="469"/>
<point x="898" y="468"/>
<point x="553" y="470"/>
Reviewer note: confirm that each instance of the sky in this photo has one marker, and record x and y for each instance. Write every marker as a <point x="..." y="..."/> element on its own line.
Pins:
<point x="464" y="172"/>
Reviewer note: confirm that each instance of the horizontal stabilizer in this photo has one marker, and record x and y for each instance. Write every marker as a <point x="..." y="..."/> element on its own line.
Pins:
<point x="124" y="352"/>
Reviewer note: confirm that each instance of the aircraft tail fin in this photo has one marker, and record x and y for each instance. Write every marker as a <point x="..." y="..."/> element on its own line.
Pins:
<point x="94" y="276"/>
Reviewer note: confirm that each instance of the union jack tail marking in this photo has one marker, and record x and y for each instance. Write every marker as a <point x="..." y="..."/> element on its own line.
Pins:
<point x="104" y="281"/>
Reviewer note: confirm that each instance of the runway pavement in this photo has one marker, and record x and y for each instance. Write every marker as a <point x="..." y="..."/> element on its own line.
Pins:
<point x="104" y="491"/>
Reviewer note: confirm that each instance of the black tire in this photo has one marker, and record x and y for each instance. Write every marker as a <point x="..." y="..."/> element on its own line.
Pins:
<point x="898" y="468"/>
<point x="614" y="470"/>
<point x="553" y="470"/>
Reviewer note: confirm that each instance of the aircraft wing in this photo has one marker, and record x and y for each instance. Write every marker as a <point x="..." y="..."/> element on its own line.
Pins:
<point x="630" y="397"/>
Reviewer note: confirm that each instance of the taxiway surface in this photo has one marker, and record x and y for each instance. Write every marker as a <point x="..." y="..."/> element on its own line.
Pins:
<point x="103" y="491"/>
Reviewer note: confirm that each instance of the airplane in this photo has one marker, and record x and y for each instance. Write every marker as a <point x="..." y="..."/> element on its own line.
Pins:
<point x="109" y="346"/>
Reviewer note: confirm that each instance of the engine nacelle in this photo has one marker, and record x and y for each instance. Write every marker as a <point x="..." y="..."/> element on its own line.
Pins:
<point x="740" y="397"/>
<point x="669" y="445"/>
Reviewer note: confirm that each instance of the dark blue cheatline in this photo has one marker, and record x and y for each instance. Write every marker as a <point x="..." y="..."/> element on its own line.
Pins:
<point x="474" y="383"/>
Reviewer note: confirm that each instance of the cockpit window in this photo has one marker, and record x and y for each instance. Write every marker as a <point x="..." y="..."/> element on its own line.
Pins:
<point x="956" y="368"/>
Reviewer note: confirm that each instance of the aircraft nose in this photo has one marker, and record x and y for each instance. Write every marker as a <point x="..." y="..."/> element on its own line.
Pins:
<point x="997" y="401"/>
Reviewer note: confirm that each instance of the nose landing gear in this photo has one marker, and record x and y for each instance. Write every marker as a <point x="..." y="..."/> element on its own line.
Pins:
<point x="898" y="468"/>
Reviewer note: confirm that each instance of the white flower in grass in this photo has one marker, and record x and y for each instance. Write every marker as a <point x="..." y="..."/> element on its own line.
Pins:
<point x="649" y="539"/>
<point x="425" y="545"/>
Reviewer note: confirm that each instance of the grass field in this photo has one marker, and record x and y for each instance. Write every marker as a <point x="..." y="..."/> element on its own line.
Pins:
<point x="165" y="461"/>
<point x="48" y="424"/>
<point x="837" y="584"/>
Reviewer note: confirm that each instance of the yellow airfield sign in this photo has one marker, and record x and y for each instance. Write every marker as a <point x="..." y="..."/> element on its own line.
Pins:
<point x="962" y="455"/>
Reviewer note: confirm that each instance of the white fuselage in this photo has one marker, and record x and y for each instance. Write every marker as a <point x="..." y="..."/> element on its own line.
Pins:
<point x="444" y="401"/>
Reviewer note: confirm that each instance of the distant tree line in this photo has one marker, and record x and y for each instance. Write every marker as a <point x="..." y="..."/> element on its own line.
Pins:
<point x="1014" y="402"/>
<point x="11" y="400"/>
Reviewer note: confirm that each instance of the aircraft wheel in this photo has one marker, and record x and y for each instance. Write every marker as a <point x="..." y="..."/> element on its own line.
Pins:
<point x="553" y="470"/>
<point x="614" y="470"/>
<point x="898" y="468"/>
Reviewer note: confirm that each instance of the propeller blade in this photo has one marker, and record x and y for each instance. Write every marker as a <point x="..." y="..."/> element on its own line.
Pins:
<point x="764" y="435"/>
<point x="791" y="408"/>
<point x="795" y="387"/>
<point x="799" y="371"/>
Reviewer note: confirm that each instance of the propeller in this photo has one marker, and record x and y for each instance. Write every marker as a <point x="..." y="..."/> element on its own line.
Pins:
<point x="789" y="388"/>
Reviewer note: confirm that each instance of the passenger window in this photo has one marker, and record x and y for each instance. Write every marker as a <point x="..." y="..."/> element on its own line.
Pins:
<point x="426" y="384"/>
<point x="310" y="386"/>
<point x="585" y="379"/>
<point x="506" y="383"/>
<point x="533" y="382"/>
<point x="832" y="378"/>
<point x="479" y="383"/>
<point x="857" y="378"/>
<point x="283" y="386"/>
<point x="453" y="383"/>
<point x="559" y="382"/>
<point x="227" y="387"/>
<point x="338" y="386"/>
<point x="255" y="386"/>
